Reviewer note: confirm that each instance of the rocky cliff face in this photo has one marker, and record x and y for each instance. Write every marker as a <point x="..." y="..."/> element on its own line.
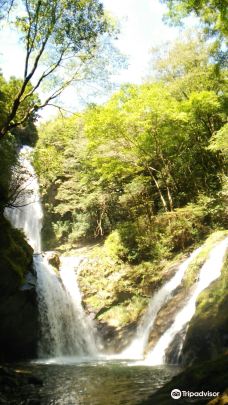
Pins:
<point x="18" y="306"/>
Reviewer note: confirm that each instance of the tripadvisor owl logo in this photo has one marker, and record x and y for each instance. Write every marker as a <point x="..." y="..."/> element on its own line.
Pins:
<point x="176" y="394"/>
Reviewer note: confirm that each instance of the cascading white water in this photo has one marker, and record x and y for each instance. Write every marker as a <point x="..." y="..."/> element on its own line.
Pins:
<point x="65" y="330"/>
<point x="209" y="272"/>
<point x="70" y="264"/>
<point x="138" y="345"/>
<point x="27" y="214"/>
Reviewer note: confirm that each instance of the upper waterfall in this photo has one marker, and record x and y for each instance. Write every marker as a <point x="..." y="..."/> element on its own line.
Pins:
<point x="27" y="214"/>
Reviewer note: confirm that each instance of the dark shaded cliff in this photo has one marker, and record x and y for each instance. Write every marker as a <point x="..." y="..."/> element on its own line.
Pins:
<point x="18" y="306"/>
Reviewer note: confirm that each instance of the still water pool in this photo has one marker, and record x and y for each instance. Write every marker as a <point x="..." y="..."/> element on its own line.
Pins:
<point x="98" y="382"/>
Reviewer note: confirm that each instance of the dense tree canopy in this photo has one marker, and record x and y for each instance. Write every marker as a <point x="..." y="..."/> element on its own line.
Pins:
<point x="213" y="13"/>
<point x="26" y="134"/>
<point x="146" y="167"/>
<point x="60" y="37"/>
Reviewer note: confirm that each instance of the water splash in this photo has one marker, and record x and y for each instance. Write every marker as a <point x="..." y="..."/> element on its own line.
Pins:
<point x="138" y="345"/>
<point x="209" y="272"/>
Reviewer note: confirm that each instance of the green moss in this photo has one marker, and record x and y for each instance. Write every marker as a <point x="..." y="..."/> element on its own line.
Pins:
<point x="15" y="253"/>
<point x="124" y="313"/>
<point x="119" y="292"/>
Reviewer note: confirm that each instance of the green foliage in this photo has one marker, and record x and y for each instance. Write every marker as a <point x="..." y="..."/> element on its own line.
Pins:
<point x="8" y="152"/>
<point x="15" y="254"/>
<point x="114" y="246"/>
<point x="219" y="141"/>
<point x="213" y="14"/>
<point x="140" y="170"/>
<point x="61" y="36"/>
<point x="25" y="133"/>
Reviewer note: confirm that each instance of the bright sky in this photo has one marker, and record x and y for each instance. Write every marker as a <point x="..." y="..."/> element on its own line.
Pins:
<point x="141" y="29"/>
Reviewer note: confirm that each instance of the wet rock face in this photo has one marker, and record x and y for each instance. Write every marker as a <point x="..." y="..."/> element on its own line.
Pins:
<point x="115" y="339"/>
<point x="174" y="352"/>
<point x="164" y="320"/>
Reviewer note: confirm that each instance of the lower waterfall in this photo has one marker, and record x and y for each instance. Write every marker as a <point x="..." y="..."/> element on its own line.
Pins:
<point x="209" y="272"/>
<point x="65" y="330"/>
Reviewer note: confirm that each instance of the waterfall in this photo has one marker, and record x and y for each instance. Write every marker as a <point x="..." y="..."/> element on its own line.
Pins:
<point x="65" y="329"/>
<point x="70" y="281"/>
<point x="27" y="214"/>
<point x="209" y="272"/>
<point x="157" y="301"/>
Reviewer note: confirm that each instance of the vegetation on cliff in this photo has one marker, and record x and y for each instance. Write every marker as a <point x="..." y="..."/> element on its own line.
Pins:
<point x="145" y="169"/>
<point x="142" y="176"/>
